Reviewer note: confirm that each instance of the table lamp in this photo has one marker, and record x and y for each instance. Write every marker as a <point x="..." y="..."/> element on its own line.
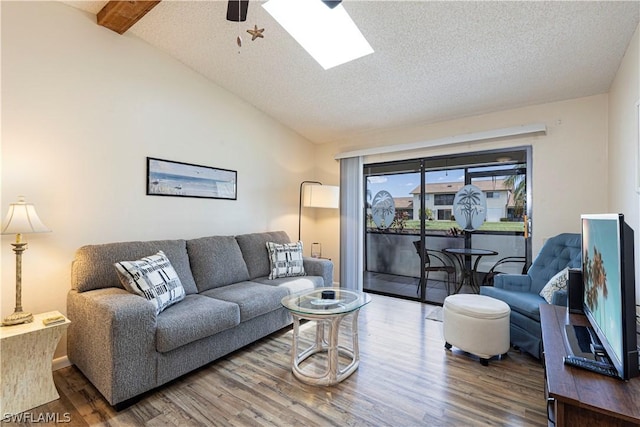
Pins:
<point x="21" y="219"/>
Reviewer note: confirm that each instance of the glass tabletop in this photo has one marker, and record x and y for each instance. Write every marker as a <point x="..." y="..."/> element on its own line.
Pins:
<point x="334" y="301"/>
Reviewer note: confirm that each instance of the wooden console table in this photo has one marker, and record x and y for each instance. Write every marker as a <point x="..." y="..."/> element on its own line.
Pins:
<point x="577" y="397"/>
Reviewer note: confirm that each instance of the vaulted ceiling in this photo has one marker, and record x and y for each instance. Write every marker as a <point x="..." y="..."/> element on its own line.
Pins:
<point x="433" y="61"/>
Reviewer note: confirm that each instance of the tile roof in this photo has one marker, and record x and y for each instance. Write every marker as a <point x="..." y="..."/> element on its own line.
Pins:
<point x="454" y="187"/>
<point x="403" y="202"/>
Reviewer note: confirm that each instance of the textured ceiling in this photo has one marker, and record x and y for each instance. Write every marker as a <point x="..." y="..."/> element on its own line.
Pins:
<point x="433" y="61"/>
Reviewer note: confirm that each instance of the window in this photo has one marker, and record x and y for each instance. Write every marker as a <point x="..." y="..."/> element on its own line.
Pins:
<point x="443" y="199"/>
<point x="444" y="214"/>
<point x="438" y="180"/>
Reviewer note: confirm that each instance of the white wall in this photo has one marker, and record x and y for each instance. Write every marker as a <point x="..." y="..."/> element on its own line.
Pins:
<point x="82" y="108"/>
<point x="623" y="155"/>
<point x="569" y="162"/>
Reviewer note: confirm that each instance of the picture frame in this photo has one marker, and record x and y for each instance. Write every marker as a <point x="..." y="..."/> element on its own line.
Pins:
<point x="178" y="179"/>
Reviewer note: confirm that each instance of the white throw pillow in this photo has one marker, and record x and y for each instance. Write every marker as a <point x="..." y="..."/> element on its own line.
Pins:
<point x="556" y="283"/>
<point x="153" y="278"/>
<point x="285" y="260"/>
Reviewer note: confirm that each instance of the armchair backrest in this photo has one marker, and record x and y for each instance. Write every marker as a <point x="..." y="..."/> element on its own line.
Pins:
<point x="563" y="250"/>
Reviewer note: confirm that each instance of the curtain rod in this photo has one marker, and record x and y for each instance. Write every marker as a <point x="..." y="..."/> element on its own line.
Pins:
<point x="449" y="140"/>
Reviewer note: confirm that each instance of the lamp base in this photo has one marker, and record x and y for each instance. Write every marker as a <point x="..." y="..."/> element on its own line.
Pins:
<point x="17" y="318"/>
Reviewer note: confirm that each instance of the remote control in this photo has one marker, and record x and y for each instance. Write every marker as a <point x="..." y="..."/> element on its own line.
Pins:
<point x="53" y="320"/>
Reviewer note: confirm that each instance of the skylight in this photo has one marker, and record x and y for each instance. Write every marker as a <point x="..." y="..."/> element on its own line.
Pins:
<point x="329" y="35"/>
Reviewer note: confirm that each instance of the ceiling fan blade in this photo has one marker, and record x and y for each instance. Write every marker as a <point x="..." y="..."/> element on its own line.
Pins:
<point x="237" y="10"/>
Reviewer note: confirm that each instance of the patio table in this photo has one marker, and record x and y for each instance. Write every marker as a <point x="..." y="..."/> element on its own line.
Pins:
<point x="469" y="274"/>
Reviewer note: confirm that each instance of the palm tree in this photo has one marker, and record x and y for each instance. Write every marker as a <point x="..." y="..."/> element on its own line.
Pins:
<point x="469" y="205"/>
<point x="517" y="186"/>
<point x="595" y="277"/>
<point x="383" y="205"/>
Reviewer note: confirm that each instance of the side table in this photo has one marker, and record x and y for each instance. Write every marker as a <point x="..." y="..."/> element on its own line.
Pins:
<point x="310" y="305"/>
<point x="26" y="377"/>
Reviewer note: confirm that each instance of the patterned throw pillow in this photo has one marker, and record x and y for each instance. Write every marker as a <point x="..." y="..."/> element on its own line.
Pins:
<point x="285" y="259"/>
<point x="153" y="278"/>
<point x="556" y="283"/>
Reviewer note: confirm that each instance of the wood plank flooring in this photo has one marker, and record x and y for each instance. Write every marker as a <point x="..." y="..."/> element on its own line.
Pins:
<point x="405" y="378"/>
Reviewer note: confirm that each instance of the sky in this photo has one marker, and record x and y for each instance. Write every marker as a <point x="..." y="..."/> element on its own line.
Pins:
<point x="402" y="184"/>
<point x="188" y="170"/>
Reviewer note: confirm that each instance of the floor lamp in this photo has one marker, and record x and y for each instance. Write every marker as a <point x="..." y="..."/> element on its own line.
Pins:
<point x="316" y="195"/>
<point x="21" y="219"/>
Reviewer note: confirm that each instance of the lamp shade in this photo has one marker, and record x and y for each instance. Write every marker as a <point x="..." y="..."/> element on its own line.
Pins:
<point x="22" y="219"/>
<point x="321" y="196"/>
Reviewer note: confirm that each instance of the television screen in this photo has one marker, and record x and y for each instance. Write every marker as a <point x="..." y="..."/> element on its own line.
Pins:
<point x="601" y="274"/>
<point x="609" y="287"/>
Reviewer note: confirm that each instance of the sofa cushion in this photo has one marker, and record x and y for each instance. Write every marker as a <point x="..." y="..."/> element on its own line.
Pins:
<point x="216" y="261"/>
<point x="525" y="303"/>
<point x="285" y="260"/>
<point x="293" y="284"/>
<point x="253" y="298"/>
<point x="152" y="277"/>
<point x="254" y="251"/>
<point x="196" y="317"/>
<point x="556" y="283"/>
<point x="92" y="267"/>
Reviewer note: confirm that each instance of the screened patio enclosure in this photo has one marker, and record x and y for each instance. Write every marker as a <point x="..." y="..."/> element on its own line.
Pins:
<point x="411" y="205"/>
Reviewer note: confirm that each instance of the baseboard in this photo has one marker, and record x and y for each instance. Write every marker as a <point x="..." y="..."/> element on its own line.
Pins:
<point x="61" y="362"/>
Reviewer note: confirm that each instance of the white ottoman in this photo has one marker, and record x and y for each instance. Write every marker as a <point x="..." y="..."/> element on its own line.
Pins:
<point x="477" y="324"/>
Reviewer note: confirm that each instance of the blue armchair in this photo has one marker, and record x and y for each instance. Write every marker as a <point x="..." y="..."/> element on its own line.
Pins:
<point x="522" y="291"/>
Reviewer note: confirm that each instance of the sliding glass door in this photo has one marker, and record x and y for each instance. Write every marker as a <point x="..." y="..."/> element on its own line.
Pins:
<point x="391" y="262"/>
<point x="419" y="241"/>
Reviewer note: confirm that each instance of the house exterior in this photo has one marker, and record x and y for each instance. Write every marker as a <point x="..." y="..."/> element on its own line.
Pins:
<point x="404" y="205"/>
<point x="439" y="199"/>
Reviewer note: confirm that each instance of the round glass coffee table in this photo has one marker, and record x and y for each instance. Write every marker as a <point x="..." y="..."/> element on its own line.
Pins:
<point x="327" y="307"/>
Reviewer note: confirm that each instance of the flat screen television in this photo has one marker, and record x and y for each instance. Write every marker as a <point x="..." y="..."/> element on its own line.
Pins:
<point x="608" y="279"/>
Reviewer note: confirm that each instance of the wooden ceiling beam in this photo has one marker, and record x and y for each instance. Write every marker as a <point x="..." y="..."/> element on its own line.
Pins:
<point x="119" y="16"/>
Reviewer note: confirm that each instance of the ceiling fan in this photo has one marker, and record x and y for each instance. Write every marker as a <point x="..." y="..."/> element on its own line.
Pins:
<point x="237" y="9"/>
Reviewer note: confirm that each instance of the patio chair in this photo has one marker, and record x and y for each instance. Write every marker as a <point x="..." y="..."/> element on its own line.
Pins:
<point x="437" y="261"/>
<point x="487" y="280"/>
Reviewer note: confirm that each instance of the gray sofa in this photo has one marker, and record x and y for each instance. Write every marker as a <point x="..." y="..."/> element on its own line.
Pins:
<point x="125" y="349"/>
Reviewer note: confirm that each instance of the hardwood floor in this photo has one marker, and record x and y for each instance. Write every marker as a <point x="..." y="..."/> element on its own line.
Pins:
<point x="405" y="378"/>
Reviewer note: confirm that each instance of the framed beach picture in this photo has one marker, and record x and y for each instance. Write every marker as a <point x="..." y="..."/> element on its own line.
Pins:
<point x="168" y="178"/>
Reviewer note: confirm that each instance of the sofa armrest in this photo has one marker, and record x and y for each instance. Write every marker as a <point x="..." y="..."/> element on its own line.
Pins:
<point x="112" y="339"/>
<point x="319" y="267"/>
<point x="559" y="297"/>
<point x="513" y="282"/>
